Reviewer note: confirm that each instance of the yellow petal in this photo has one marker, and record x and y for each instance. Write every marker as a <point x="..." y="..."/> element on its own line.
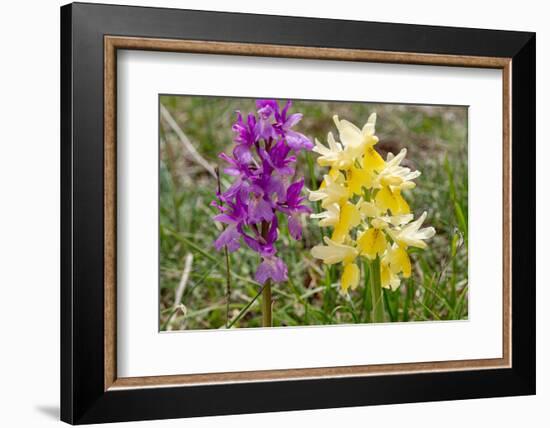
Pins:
<point x="391" y="180"/>
<point x="359" y="178"/>
<point x="349" y="217"/>
<point x="385" y="199"/>
<point x="385" y="275"/>
<point x="334" y="252"/>
<point x="333" y="191"/>
<point x="387" y="278"/>
<point x="369" y="209"/>
<point x="350" y="135"/>
<point x="350" y="277"/>
<point x="372" y="159"/>
<point x="333" y="173"/>
<point x="339" y="234"/>
<point x="400" y="261"/>
<point x="372" y="242"/>
<point x="388" y="199"/>
<point x="369" y="127"/>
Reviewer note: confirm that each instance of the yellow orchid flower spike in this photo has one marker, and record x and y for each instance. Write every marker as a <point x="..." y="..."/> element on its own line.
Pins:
<point x="364" y="204"/>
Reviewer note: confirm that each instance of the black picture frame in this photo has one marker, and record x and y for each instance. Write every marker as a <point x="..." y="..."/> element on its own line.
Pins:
<point x="83" y="398"/>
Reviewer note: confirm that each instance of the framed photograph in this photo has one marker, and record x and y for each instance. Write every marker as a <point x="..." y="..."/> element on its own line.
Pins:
<point x="265" y="213"/>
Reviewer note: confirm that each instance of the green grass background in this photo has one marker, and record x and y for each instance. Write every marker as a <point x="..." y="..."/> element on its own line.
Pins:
<point x="436" y="139"/>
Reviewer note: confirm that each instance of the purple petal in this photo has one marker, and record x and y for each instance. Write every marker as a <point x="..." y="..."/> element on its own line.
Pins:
<point x="224" y="218"/>
<point x="242" y="153"/>
<point x="252" y="124"/>
<point x="252" y="243"/>
<point x="217" y="205"/>
<point x="239" y="186"/>
<point x="259" y="209"/>
<point x="245" y="133"/>
<point x="275" y="185"/>
<point x="271" y="268"/>
<point x="286" y="170"/>
<point x="292" y="120"/>
<point x="230" y="237"/>
<point x="239" y="128"/>
<point x="279" y="151"/>
<point x="298" y="141"/>
<point x="264" y="249"/>
<point x="273" y="232"/>
<point x="293" y="192"/>
<point x="295" y="227"/>
<point x="256" y="188"/>
<point x="236" y="165"/>
<point x="277" y="158"/>
<point x="264" y="129"/>
<point x="267" y="168"/>
<point x="267" y="107"/>
<point x="227" y="158"/>
<point x="232" y="171"/>
<point x="285" y="110"/>
<point x="233" y="168"/>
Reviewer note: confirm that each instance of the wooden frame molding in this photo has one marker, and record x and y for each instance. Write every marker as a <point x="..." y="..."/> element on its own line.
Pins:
<point x="113" y="43"/>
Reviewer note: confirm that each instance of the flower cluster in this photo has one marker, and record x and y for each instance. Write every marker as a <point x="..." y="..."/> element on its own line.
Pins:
<point x="262" y="163"/>
<point x="363" y="202"/>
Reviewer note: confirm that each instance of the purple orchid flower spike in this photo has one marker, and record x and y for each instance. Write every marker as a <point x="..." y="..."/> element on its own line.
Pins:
<point x="262" y="162"/>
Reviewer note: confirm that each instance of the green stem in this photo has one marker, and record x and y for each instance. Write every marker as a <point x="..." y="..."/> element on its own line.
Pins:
<point x="227" y="285"/>
<point x="266" y="292"/>
<point x="376" y="288"/>
<point x="367" y="295"/>
<point x="408" y="298"/>
<point x="266" y="304"/>
<point x="388" y="305"/>
<point x="245" y="309"/>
